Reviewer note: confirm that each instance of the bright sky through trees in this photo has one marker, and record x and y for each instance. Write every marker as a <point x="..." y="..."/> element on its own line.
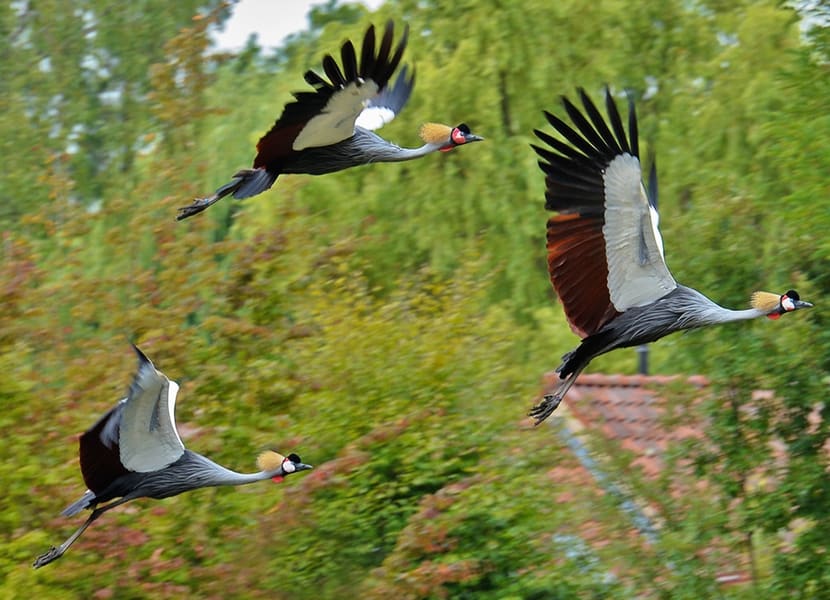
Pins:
<point x="271" y="20"/>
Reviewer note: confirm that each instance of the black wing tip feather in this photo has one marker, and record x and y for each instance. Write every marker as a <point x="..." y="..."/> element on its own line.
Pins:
<point x="349" y="59"/>
<point x="616" y="121"/>
<point x="142" y="358"/>
<point x="369" y="65"/>
<point x="591" y="134"/>
<point x="606" y="138"/>
<point x="144" y="365"/>
<point x="652" y="181"/>
<point x="376" y="62"/>
<point x="557" y="123"/>
<point x="385" y="65"/>
<point x="584" y="121"/>
<point x="367" y="50"/>
<point x="313" y="79"/>
<point x="396" y="95"/>
<point x="633" y="129"/>
<point x="574" y="161"/>
<point x="333" y="71"/>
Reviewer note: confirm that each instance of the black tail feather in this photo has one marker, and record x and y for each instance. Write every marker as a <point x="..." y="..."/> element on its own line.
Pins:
<point x="253" y="182"/>
<point x="245" y="183"/>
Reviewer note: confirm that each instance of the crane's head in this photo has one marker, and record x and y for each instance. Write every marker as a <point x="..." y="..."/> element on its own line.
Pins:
<point x="447" y="137"/>
<point x="278" y="466"/>
<point x="774" y="305"/>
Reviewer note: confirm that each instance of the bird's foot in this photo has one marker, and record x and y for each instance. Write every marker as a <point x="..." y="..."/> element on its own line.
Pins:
<point x="46" y="558"/>
<point x="197" y="206"/>
<point x="545" y="408"/>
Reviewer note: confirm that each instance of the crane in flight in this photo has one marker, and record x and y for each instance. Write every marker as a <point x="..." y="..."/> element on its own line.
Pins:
<point x="134" y="451"/>
<point x="605" y="252"/>
<point x="332" y="128"/>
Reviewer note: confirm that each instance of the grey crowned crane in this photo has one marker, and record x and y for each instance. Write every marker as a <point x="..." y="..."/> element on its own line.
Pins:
<point x="134" y="451"/>
<point x="331" y="128"/>
<point x="605" y="253"/>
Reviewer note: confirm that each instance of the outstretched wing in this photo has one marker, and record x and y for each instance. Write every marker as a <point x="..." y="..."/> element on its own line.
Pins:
<point x="137" y="434"/>
<point x="328" y="114"/>
<point x="148" y="438"/>
<point x="384" y="107"/>
<point x="100" y="456"/>
<point x="605" y="253"/>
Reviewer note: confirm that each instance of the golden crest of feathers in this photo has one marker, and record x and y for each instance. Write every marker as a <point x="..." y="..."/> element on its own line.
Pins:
<point x="765" y="301"/>
<point x="435" y="133"/>
<point x="269" y="460"/>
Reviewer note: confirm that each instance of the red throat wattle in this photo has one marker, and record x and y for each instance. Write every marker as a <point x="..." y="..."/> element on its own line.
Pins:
<point x="774" y="316"/>
<point x="277" y="478"/>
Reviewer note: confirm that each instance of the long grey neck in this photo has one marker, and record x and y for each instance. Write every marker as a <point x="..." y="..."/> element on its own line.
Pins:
<point x="364" y="147"/>
<point x="393" y="153"/>
<point x="223" y="476"/>
<point x="374" y="148"/>
<point x="710" y="313"/>
<point x="726" y="315"/>
<point x="213" y="474"/>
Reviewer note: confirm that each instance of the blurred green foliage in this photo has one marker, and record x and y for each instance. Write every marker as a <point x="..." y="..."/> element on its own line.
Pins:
<point x="391" y="323"/>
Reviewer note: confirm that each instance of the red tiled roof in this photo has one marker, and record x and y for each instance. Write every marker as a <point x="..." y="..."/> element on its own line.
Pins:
<point x="638" y="413"/>
<point x="631" y="410"/>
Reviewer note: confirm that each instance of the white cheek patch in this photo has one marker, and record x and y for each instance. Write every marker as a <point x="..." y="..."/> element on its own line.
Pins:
<point x="787" y="303"/>
<point x="288" y="467"/>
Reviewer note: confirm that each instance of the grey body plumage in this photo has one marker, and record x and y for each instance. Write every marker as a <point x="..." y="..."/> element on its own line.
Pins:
<point x="134" y="451"/>
<point x="682" y="308"/>
<point x="605" y="252"/>
<point x="363" y="148"/>
<point x="331" y="128"/>
<point x="190" y="472"/>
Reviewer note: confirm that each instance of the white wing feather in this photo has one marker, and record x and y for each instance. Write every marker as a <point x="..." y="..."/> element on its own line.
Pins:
<point x="655" y="226"/>
<point x="637" y="271"/>
<point x="336" y="121"/>
<point x="374" y="117"/>
<point x="148" y="439"/>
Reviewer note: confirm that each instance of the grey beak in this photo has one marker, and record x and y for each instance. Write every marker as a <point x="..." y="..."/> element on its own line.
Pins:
<point x="471" y="137"/>
<point x="303" y="466"/>
<point x="802" y="304"/>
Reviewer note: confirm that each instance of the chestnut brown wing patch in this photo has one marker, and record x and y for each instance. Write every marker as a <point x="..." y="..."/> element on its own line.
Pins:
<point x="373" y="73"/>
<point x="579" y="271"/>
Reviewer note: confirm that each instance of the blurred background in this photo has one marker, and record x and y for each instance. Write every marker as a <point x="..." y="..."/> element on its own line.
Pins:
<point x="392" y="324"/>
